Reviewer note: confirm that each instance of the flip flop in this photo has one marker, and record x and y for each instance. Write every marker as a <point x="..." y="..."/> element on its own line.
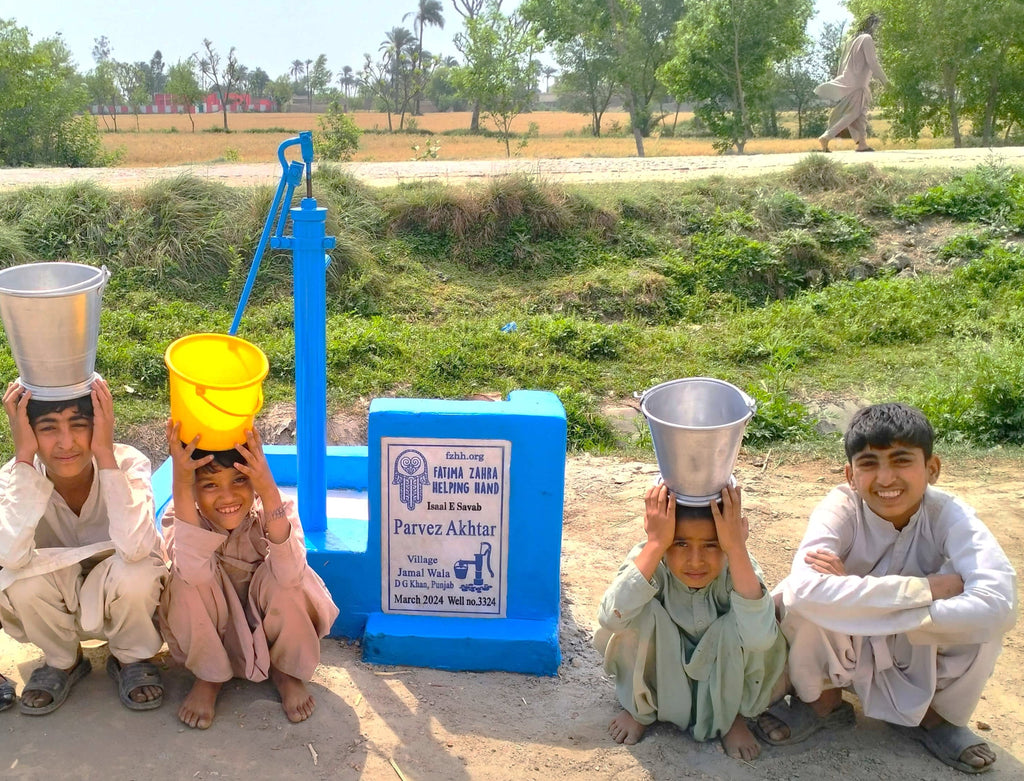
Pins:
<point x="947" y="742"/>
<point x="865" y="149"/>
<point x="7" y="694"/>
<point x="803" y="721"/>
<point x="132" y="676"/>
<point x="54" y="682"/>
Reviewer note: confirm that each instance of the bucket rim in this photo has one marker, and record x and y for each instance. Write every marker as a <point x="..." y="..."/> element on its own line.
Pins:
<point x="100" y="280"/>
<point x="751" y="405"/>
<point x="60" y="392"/>
<point x="264" y="367"/>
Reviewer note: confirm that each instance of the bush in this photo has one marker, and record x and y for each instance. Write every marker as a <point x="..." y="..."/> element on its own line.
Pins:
<point x="338" y="136"/>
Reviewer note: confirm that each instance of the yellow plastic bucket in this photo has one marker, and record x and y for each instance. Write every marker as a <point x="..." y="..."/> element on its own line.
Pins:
<point x="216" y="387"/>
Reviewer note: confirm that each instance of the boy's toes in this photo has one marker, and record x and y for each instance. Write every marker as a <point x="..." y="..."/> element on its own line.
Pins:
<point x="978" y="756"/>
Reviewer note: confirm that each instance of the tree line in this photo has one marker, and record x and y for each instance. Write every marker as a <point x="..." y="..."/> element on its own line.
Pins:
<point x="956" y="67"/>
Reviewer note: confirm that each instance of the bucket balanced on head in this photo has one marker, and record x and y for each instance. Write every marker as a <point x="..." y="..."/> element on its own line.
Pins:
<point x="51" y="313"/>
<point x="697" y="426"/>
<point x="216" y="387"/>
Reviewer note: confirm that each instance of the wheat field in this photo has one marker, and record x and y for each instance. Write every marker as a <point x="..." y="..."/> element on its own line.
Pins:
<point x="167" y="139"/>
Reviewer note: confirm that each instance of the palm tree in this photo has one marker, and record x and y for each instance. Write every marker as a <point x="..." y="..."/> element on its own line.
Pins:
<point x="347" y="80"/>
<point x="428" y="12"/>
<point x="309" y="89"/>
<point x="397" y="42"/>
<point x="296" y="70"/>
<point x="548" y="72"/>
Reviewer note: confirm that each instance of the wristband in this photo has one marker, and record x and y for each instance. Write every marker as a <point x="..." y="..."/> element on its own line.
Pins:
<point x="279" y="513"/>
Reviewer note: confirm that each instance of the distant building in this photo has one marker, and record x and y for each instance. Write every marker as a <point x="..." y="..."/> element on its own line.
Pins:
<point x="164" y="103"/>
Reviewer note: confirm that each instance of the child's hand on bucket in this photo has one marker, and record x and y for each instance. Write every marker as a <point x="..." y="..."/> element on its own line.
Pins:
<point x="730" y="521"/>
<point x="660" y="516"/>
<point x="16" y="400"/>
<point x="103" y="424"/>
<point x="181" y="454"/>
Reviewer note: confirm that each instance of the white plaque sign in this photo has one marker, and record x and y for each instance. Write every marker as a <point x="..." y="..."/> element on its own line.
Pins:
<point x="444" y="526"/>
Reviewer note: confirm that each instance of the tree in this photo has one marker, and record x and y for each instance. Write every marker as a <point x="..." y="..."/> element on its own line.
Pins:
<point x="623" y="42"/>
<point x="548" y="71"/>
<point x="157" y="79"/>
<point x="225" y="75"/>
<point x="428" y="12"/>
<point x="297" y="69"/>
<point x="257" y="82"/>
<point x="183" y="85"/>
<point x="725" y="53"/>
<point x="131" y="81"/>
<point x="468" y="10"/>
<point x="347" y="80"/>
<point x="40" y="97"/>
<point x="102" y="88"/>
<point x="281" y="90"/>
<point x="338" y="136"/>
<point x="579" y="31"/>
<point x="501" y="71"/>
<point x="321" y="76"/>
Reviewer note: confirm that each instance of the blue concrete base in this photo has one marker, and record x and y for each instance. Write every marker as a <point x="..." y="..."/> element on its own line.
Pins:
<point x="477" y="644"/>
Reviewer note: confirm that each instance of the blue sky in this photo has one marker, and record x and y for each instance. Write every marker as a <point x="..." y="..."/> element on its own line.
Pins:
<point x="268" y="34"/>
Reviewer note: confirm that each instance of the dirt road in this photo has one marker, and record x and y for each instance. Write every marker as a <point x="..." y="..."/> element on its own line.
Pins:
<point x="583" y="169"/>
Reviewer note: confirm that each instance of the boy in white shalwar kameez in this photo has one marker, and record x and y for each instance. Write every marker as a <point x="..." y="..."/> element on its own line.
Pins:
<point x="688" y="630"/>
<point x="80" y="554"/>
<point x="897" y="592"/>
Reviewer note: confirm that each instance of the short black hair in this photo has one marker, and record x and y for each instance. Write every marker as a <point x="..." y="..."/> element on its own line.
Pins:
<point x="883" y="425"/>
<point x="37" y="408"/>
<point x="701" y="513"/>
<point x="222" y="459"/>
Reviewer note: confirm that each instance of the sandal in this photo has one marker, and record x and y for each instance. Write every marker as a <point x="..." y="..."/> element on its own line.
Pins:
<point x="54" y="682"/>
<point x="132" y="676"/>
<point x="803" y="721"/>
<point x="865" y="149"/>
<point x="947" y="742"/>
<point x="7" y="695"/>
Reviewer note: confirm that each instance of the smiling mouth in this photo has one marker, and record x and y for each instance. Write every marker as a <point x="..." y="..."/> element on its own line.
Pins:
<point x="890" y="494"/>
<point x="230" y="509"/>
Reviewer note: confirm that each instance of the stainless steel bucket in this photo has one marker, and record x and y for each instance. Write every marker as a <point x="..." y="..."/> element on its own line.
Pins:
<point x="697" y="426"/>
<point x="51" y="313"/>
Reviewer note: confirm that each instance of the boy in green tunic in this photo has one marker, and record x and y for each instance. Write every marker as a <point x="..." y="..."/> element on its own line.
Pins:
<point x="688" y="630"/>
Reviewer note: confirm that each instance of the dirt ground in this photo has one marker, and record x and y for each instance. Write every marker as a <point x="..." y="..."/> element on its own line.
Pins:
<point x="380" y="722"/>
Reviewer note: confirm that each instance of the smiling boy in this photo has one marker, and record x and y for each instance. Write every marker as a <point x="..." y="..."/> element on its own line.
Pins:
<point x="688" y="630"/>
<point x="897" y="592"/>
<point x="79" y="549"/>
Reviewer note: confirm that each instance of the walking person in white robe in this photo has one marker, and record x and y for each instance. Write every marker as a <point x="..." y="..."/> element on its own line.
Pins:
<point x="852" y="88"/>
<point x="899" y="592"/>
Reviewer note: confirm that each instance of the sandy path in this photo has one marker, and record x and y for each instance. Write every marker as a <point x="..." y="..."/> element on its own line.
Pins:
<point x="582" y="169"/>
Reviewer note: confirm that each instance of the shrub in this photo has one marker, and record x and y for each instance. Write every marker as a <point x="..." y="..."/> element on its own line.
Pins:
<point x="338" y="136"/>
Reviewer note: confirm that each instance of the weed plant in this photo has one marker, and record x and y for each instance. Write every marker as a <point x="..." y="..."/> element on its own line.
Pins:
<point x="614" y="289"/>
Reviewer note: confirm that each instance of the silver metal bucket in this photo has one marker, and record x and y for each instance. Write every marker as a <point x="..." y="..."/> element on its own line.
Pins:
<point x="697" y="426"/>
<point x="51" y="313"/>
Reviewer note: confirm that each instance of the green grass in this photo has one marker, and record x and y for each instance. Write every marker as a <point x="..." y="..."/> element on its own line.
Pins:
<point x="614" y="289"/>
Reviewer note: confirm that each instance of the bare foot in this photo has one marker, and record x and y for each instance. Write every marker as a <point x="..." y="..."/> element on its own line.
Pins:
<point x="829" y="700"/>
<point x="824" y="143"/>
<point x="625" y="729"/>
<point x="296" y="701"/>
<point x="739" y="742"/>
<point x="200" y="704"/>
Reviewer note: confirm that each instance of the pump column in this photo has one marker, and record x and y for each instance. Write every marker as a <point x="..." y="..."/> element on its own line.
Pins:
<point x="310" y="263"/>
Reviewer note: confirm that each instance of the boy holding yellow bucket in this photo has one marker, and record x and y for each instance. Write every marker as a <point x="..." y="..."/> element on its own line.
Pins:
<point x="241" y="600"/>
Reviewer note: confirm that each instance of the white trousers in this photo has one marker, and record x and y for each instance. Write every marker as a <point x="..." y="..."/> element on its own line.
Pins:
<point x="115" y="601"/>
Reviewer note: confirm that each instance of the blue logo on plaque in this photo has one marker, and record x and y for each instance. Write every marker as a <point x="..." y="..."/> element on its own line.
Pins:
<point x="410" y="477"/>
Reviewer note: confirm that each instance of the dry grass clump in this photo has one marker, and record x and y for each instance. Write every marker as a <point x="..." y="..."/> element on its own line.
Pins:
<point x="473" y="217"/>
<point x="817" y="172"/>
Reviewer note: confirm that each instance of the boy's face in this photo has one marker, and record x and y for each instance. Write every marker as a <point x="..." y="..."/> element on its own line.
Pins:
<point x="695" y="557"/>
<point x="65" y="442"/>
<point x="224" y="497"/>
<point x="892" y="480"/>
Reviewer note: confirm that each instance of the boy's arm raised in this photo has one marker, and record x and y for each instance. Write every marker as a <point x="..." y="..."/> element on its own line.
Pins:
<point x="732" y="537"/>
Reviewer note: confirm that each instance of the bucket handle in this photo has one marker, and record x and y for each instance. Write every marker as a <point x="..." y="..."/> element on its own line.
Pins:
<point x="750" y="403"/>
<point x="201" y="393"/>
